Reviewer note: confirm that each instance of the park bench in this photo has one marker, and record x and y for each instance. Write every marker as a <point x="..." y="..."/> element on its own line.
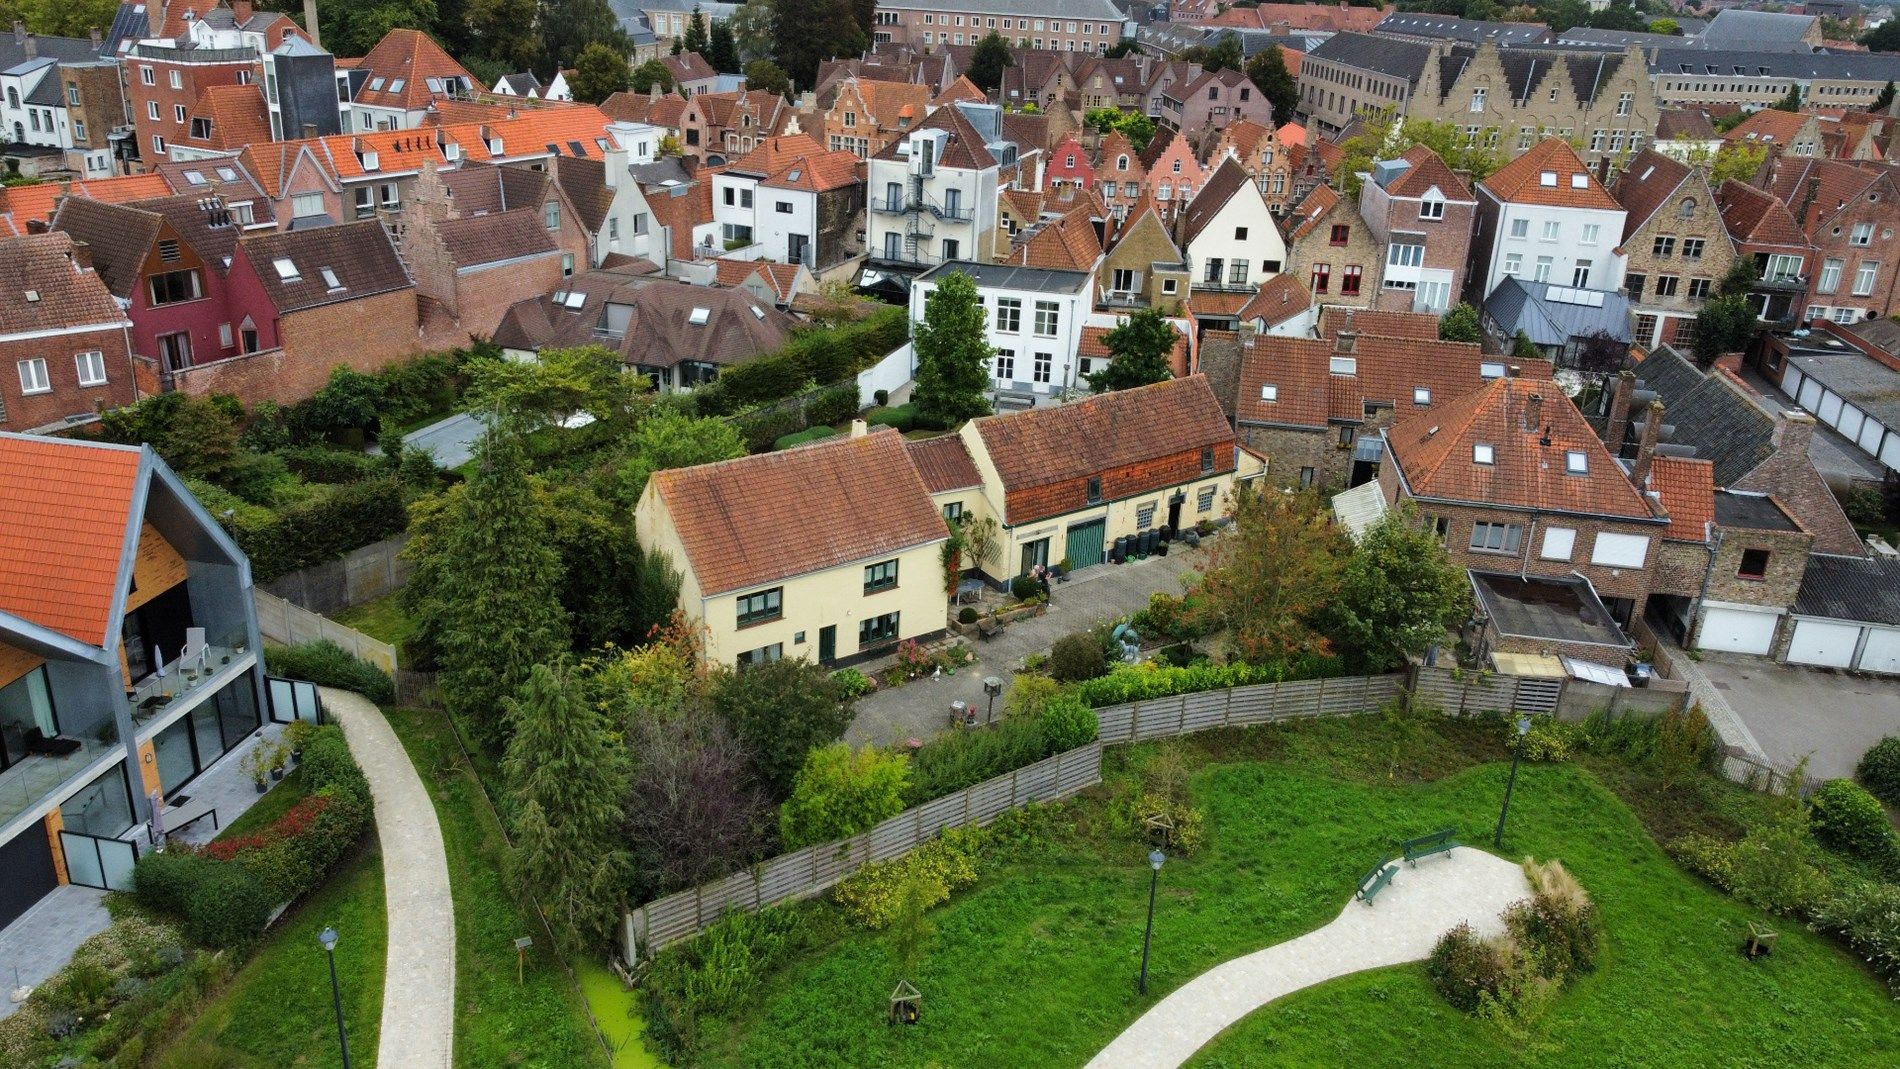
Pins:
<point x="1438" y="842"/>
<point x="1375" y="880"/>
<point x="988" y="626"/>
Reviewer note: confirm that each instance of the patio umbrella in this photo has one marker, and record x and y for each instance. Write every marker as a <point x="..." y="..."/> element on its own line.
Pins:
<point x="158" y="817"/>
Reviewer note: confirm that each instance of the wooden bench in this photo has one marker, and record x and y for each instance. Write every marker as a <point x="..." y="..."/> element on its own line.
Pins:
<point x="1438" y="842"/>
<point x="1375" y="880"/>
<point x="988" y="626"/>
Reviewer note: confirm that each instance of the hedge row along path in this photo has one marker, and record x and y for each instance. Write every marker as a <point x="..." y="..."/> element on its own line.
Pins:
<point x="1418" y="906"/>
<point x="418" y="1029"/>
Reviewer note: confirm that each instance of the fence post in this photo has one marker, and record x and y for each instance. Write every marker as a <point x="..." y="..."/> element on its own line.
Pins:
<point x="1227" y="709"/>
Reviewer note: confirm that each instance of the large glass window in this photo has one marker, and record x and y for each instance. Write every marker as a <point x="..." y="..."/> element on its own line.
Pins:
<point x="176" y="763"/>
<point x="878" y="629"/>
<point x="26" y="706"/>
<point x="102" y="808"/>
<point x="757" y="608"/>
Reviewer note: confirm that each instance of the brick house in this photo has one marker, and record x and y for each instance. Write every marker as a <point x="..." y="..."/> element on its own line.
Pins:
<point x="1212" y="101"/>
<point x="1784" y="133"/>
<point x="1264" y="156"/>
<point x="1174" y="173"/>
<point x="716" y="127"/>
<point x="1764" y="231"/>
<point x="62" y="335"/>
<point x="1558" y="541"/>
<point x="1421" y="214"/>
<point x="1069" y="165"/>
<point x="475" y="267"/>
<point x="1121" y="180"/>
<point x="795" y="201"/>
<point x="1143" y="267"/>
<point x="692" y="75"/>
<point x="867" y="115"/>
<point x="1315" y="407"/>
<point x="1676" y="249"/>
<point x="1333" y="250"/>
<point x="1849" y="215"/>
<point x="404" y="74"/>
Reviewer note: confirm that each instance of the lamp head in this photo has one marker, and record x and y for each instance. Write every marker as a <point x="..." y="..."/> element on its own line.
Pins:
<point x="992" y="686"/>
<point x="1155" y="858"/>
<point x="328" y="938"/>
<point x="1523" y="726"/>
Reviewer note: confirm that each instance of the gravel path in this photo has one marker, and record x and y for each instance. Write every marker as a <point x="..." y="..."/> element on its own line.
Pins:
<point x="418" y="1030"/>
<point x="1418" y="906"/>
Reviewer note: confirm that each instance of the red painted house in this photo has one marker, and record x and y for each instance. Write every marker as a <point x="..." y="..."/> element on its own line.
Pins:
<point x="1069" y="165"/>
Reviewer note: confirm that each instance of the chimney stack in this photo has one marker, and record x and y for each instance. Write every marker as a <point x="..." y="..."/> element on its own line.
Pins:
<point x="1646" y="446"/>
<point x="1534" y="412"/>
<point x="310" y="22"/>
<point x="859" y="428"/>
<point x="97" y="40"/>
<point x="241" y="11"/>
<point x="19" y="33"/>
<point x="82" y="255"/>
<point x="1793" y="433"/>
<point x="1618" y="427"/>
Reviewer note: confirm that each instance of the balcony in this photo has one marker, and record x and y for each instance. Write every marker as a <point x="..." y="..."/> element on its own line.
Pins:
<point x="181" y="680"/>
<point x="1123" y="299"/>
<point x="1225" y="287"/>
<point x="34" y="775"/>
<point x="907" y="205"/>
<point x="1781" y="284"/>
<point x="892" y="205"/>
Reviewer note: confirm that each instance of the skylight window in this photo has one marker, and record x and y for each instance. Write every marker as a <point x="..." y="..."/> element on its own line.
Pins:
<point x="287" y="270"/>
<point x="1269" y="392"/>
<point x="1343" y="365"/>
<point x="1577" y="462"/>
<point x="375" y="85"/>
<point x="699" y="316"/>
<point x="396" y="86"/>
<point x="1490" y="370"/>
<point x="330" y="279"/>
<point x="1483" y="453"/>
<point x="226" y="174"/>
<point x="793" y="176"/>
<point x="1421" y="396"/>
<point x="573" y="301"/>
<point x="1548" y="178"/>
<point x="758" y="313"/>
<point x="196" y="178"/>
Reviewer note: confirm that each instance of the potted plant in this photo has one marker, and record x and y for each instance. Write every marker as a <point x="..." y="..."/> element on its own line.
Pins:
<point x="257" y="766"/>
<point x="297" y="735"/>
<point x="279" y="757"/>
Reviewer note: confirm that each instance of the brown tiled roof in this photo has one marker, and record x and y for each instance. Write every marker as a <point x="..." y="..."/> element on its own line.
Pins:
<point x="1687" y="490"/>
<point x="890" y="102"/>
<point x="1435" y="455"/>
<point x="689" y="67"/>
<point x="67" y="509"/>
<point x="411" y="57"/>
<point x="1752" y="216"/>
<point x="1310" y="210"/>
<point x="482" y="188"/>
<point x="1067" y="244"/>
<point x="1816" y="190"/>
<point x="1094" y="343"/>
<point x="1220" y="303"/>
<point x="1386" y="372"/>
<point x="782" y="278"/>
<point x="358" y="255"/>
<point x="1646" y="185"/>
<point x="963" y="149"/>
<point x="24" y="204"/>
<point x="1428" y="170"/>
<point x="1520" y="181"/>
<point x="680" y="210"/>
<point x="1045" y="455"/>
<point x="1115" y="146"/>
<point x="118" y="236"/>
<point x="1229" y="180"/>
<point x="1243" y="135"/>
<point x="585" y="184"/>
<point x="945" y="463"/>
<point x="203" y="221"/>
<point x="660" y="109"/>
<point x="238" y="116"/>
<point x="1690" y="123"/>
<point x="961" y="89"/>
<point x="1769" y="125"/>
<point x="658" y="313"/>
<point x="1279" y="299"/>
<point x="1333" y="319"/>
<point x="762" y="519"/>
<point x="487" y="239"/>
<point x="63" y="294"/>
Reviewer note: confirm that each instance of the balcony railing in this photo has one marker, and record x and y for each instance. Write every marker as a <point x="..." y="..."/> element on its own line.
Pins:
<point x="1225" y="287"/>
<point x="906" y="205"/>
<point x="182" y="678"/>
<point x="33" y="776"/>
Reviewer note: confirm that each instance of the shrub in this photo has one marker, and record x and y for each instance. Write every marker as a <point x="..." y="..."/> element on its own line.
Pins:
<point x="761" y="429"/>
<point x="1185" y="823"/>
<point x="1067" y="723"/>
<point x="872" y="896"/>
<point x="1022" y="588"/>
<point x="1029" y="693"/>
<point x="959" y="759"/>
<point x="228" y="907"/>
<point x="329" y="665"/>
<point x="1707" y="857"/>
<point x="840" y="792"/>
<point x="1775" y="865"/>
<point x="853" y="683"/>
<point x="1683" y="744"/>
<point x="1849" y="819"/>
<point x="967" y="615"/>
<point x="834" y="405"/>
<point x="1077" y="657"/>
<point x="1866" y="915"/>
<point x="1550" y="739"/>
<point x="320" y="465"/>
<point x="1463" y="967"/>
<point x="810" y="434"/>
<point x="900" y="417"/>
<point x="165" y="882"/>
<point x="1148" y="681"/>
<point x="710" y="975"/>
<point x="327" y="762"/>
<point x="1879" y="770"/>
<point x="1866" y="506"/>
<point x="1558" y="922"/>
<point x="322" y="527"/>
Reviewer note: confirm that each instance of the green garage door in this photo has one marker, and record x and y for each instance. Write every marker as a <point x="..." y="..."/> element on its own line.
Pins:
<point x="1085" y="544"/>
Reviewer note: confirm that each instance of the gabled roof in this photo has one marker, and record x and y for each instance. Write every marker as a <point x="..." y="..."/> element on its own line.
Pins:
<point x="42" y="288"/>
<point x="945" y="463"/>
<point x="401" y="68"/>
<point x="1702" y="412"/>
<point x="797" y="161"/>
<point x="487" y="239"/>
<point x="1229" y="180"/>
<point x="781" y="279"/>
<point x="1435" y="453"/>
<point x="689" y="67"/>
<point x="964" y="149"/>
<point x="892" y="105"/>
<point x="23" y="204"/>
<point x="1756" y="218"/>
<point x="296" y="268"/>
<point x="660" y="109"/>
<point x="585" y="184"/>
<point x="1306" y="215"/>
<point x="203" y="221"/>
<point x="118" y="236"/>
<point x="1789" y="474"/>
<point x="1691" y="123"/>
<point x="1769" y="125"/>
<point x="482" y="188"/>
<point x="238" y="116"/>
<point x="1379" y="324"/>
<point x="1066" y="244"/>
<point x="68" y="510"/>
<point x="961" y="89"/>
<point x="1428" y="171"/>
<point x="857" y="499"/>
<point x="1816" y="190"/>
<point x="1278" y="299"/>
<point x="1571" y="184"/>
<point x="1687" y="489"/>
<point x="1645" y="185"/>
<point x="1310" y="390"/>
<point x="650" y="322"/>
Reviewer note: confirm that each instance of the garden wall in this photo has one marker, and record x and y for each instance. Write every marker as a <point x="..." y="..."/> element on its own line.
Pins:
<point x="363" y="574"/>
<point x="280" y="621"/>
<point x="1463" y="693"/>
<point x="889" y="373"/>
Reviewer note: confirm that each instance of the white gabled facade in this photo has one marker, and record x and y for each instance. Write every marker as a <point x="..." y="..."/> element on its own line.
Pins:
<point x="1545" y="218"/>
<point x="1035" y="318"/>
<point x="924" y="212"/>
<point x="1240" y="247"/>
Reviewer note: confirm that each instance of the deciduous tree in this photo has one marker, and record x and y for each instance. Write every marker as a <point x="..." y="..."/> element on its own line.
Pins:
<point x="1725" y="325"/>
<point x="781" y="711"/>
<point x="1267" y="577"/>
<point x="753" y="25"/>
<point x="569" y="26"/>
<point x="953" y="353"/>
<point x="1267" y="71"/>
<point x="669" y="438"/>
<point x="1461" y="324"/>
<point x="1139" y="347"/>
<point x="651" y="77"/>
<point x="1385" y="136"/>
<point x="694" y="811"/>
<point x="1225" y="55"/>
<point x="598" y="74"/>
<point x="768" y="76"/>
<point x="1398" y="592"/>
<point x="503" y="31"/>
<point x="812" y="31"/>
<point x="840" y="792"/>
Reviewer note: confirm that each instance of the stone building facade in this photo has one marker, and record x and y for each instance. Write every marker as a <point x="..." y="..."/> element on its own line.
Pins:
<point x="1677" y="249"/>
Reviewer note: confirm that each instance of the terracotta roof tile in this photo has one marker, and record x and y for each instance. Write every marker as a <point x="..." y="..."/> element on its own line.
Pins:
<point x="1279" y="299"/>
<point x="1757" y="218"/>
<point x="689" y="67"/>
<point x="1521" y="180"/>
<point x="1770" y="125"/>
<point x="119" y="236"/>
<point x="1428" y="170"/>
<point x="64" y="512"/>
<point x="1333" y="319"/>
<point x="1687" y="489"/>
<point x="961" y="89"/>
<point x="1435" y="453"/>
<point x="1094" y="343"/>
<point x="63" y="294"/>
<point x="856" y="499"/>
<point x="1223" y="303"/>
<point x="1291" y="134"/>
<point x="1067" y="244"/>
<point x="1310" y="210"/>
<point x="357" y="255"/>
<point x="1386" y="372"/>
<point x="782" y="278"/>
<point x="1646" y="185"/>
<point x="945" y="463"/>
<point x="487" y="239"/>
<point x="26" y="203"/>
<point x="404" y="61"/>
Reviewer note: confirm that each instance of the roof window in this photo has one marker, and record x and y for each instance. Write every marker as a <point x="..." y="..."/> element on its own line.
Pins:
<point x="1421" y="396"/>
<point x="196" y="178"/>
<point x="1343" y="365"/>
<point x="1548" y="178"/>
<point x="573" y="301"/>
<point x="226" y="174"/>
<point x="376" y="85"/>
<point x="1579" y="181"/>
<point x="1577" y="462"/>
<point x="396" y="86"/>
<point x="286" y="270"/>
<point x="1483" y="453"/>
<point x="699" y="316"/>
<point x="1269" y="392"/>
<point x="1490" y="370"/>
<point x="330" y="279"/>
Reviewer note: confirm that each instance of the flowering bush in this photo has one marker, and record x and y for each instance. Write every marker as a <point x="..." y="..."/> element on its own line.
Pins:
<point x="874" y="894"/>
<point x="913" y="659"/>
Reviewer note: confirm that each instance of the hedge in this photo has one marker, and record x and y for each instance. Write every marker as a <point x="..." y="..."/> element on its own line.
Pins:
<point x="822" y="356"/>
<point x="1148" y="681"/>
<point x="319" y="465"/>
<point x="330" y="524"/>
<point x="810" y="434"/>
<point x="329" y="665"/>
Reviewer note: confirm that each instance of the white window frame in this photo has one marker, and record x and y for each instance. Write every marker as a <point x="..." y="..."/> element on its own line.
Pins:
<point x="91" y="366"/>
<point x="33" y="376"/>
<point x="1560" y="543"/>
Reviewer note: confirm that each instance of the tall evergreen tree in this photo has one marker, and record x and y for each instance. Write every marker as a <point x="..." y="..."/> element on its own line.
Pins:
<point x="569" y="26"/>
<point x="1139" y="345"/>
<point x="503" y="31"/>
<point x="695" y="37"/>
<point x="1884" y="101"/>
<point x="1267" y="71"/>
<point x="567" y="773"/>
<point x="1225" y="55"/>
<point x="812" y="31"/>
<point x="499" y="607"/>
<point x="721" y="51"/>
<point x="953" y="353"/>
<point x="986" y="65"/>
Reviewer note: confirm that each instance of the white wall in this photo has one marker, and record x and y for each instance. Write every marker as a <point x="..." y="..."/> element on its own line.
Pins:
<point x="1025" y="343"/>
<point x="1565" y="249"/>
<point x="1261" y="246"/>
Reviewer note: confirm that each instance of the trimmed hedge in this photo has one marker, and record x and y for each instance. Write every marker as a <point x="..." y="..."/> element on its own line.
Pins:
<point x="822" y="356"/>
<point x="811" y="434"/>
<point x="318" y="465"/>
<point x="322" y="528"/>
<point x="329" y="665"/>
<point x="1148" y="681"/>
<point x="1879" y="769"/>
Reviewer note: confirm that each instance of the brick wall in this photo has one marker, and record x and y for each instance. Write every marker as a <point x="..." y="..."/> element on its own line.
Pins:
<point x="484" y="295"/>
<point x="1289" y="451"/>
<point x="1033" y="503"/>
<point x="101" y="102"/>
<point x="1679" y="569"/>
<point x="367" y="335"/>
<point x="19" y="412"/>
<point x="193" y="79"/>
<point x="1787" y="561"/>
<point x="1704" y="223"/>
<point x="1360" y="250"/>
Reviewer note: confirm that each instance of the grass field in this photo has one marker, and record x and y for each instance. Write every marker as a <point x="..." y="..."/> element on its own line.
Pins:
<point x="538" y="1021"/>
<point x="381" y="619"/>
<point x="1035" y="966"/>
<point x="277" y="1013"/>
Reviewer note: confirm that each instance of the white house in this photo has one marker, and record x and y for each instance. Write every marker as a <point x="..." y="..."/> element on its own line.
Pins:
<point x="635" y="173"/>
<point x="789" y="200"/>
<point x="933" y="192"/>
<point x="1228" y="233"/>
<point x="1035" y="317"/>
<point x="1544" y="217"/>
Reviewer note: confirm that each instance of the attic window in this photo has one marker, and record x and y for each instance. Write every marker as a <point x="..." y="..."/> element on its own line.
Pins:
<point x="396" y="86"/>
<point x="286" y="270"/>
<point x="1577" y="462"/>
<point x="329" y="279"/>
<point x="1343" y="365"/>
<point x="758" y="313"/>
<point x="792" y="175"/>
<point x="434" y="84"/>
<point x="32" y="296"/>
<point x="1489" y="370"/>
<point x="699" y="316"/>
<point x="375" y="85"/>
<point x="196" y="178"/>
<point x="573" y="301"/>
<point x="1269" y="392"/>
<point x="1579" y="181"/>
<point x="1548" y="178"/>
<point x="1421" y="396"/>
<point x="1483" y="453"/>
<point x="225" y="174"/>
<point x="168" y="251"/>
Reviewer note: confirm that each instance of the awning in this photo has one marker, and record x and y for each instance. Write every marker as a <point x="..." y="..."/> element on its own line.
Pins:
<point x="1528" y="665"/>
<point x="1592" y="672"/>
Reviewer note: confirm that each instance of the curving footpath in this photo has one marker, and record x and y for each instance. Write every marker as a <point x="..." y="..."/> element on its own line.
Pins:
<point x="1418" y="906"/>
<point x="418" y="1027"/>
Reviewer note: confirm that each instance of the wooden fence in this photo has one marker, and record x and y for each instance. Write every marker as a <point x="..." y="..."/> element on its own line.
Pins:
<point x="280" y="621"/>
<point x="1463" y="693"/>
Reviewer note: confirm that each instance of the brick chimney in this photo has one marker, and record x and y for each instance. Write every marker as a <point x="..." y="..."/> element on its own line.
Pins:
<point x="1534" y="412"/>
<point x="19" y="33"/>
<point x="1793" y="433"/>
<point x="82" y="255"/>
<point x="310" y="22"/>
<point x="1646" y="446"/>
<point x="1618" y="427"/>
<point x="241" y="11"/>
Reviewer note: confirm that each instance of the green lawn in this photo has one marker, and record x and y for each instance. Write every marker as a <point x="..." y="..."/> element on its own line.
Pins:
<point x="273" y="804"/>
<point x="277" y="1012"/>
<point x="1035" y="966"/>
<point x="499" y="1022"/>
<point x="381" y="619"/>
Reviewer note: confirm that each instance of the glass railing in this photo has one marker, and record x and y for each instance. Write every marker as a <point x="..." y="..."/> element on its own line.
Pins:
<point x="42" y="767"/>
<point x="180" y="680"/>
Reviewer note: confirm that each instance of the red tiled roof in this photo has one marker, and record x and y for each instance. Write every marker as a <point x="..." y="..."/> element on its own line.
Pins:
<point x="1291" y="134"/>
<point x="1310" y="210"/>
<point x="410" y="57"/>
<point x="857" y="498"/>
<point x="1067" y="244"/>
<point x="66" y="508"/>
<point x="945" y="463"/>
<point x="1428" y="170"/>
<point x="1279" y="299"/>
<point x="1757" y="218"/>
<point x="63" y="294"/>
<point x="781" y="278"/>
<point x="1094" y="343"/>
<point x="1435" y="453"/>
<point x="1687" y="490"/>
<point x="1521" y="180"/>
<point x="26" y="203"/>
<point x="1385" y="372"/>
<point x="961" y="89"/>
<point x="1333" y="319"/>
<point x="1770" y="125"/>
<point x="1645" y="185"/>
<point x="238" y="116"/>
<point x="1223" y="303"/>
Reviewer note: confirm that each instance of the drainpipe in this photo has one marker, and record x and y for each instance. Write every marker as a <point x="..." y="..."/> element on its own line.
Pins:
<point x="1693" y="631"/>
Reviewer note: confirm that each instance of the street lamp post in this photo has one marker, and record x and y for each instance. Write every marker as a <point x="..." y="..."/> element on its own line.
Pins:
<point x="1517" y="752"/>
<point x="328" y="938"/>
<point x="1155" y="858"/>
<point x="992" y="686"/>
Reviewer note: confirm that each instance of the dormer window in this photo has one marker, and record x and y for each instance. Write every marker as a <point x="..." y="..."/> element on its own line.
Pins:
<point x="1484" y="453"/>
<point x="1577" y="462"/>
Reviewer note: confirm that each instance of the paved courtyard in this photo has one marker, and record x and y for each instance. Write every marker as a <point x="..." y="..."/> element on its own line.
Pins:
<point x="1794" y="712"/>
<point x="41" y="941"/>
<point x="921" y="708"/>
